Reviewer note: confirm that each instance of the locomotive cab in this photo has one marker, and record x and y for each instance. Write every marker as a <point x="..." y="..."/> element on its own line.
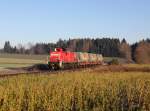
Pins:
<point x="61" y="58"/>
<point x="55" y="61"/>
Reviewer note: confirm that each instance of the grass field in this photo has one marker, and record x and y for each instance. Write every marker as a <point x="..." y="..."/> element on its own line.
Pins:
<point x="138" y="65"/>
<point x="21" y="60"/>
<point x="23" y="56"/>
<point x="18" y="60"/>
<point x="86" y="90"/>
<point x="108" y="59"/>
<point x="76" y="91"/>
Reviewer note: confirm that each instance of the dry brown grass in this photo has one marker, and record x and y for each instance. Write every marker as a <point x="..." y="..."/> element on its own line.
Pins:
<point x="76" y="91"/>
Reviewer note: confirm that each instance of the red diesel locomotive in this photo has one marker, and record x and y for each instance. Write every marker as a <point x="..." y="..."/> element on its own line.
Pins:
<point x="60" y="58"/>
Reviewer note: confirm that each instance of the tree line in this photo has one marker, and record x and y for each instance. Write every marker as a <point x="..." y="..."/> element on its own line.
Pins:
<point x="109" y="47"/>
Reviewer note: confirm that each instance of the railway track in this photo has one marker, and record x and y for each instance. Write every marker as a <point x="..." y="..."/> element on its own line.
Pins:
<point x="25" y="72"/>
<point x="31" y="73"/>
<point x="96" y="68"/>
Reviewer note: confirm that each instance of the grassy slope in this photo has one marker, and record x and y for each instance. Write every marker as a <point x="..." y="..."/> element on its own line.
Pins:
<point x="84" y="90"/>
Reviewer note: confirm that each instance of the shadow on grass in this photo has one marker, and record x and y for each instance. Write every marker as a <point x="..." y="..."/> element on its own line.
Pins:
<point x="35" y="67"/>
<point x="42" y="67"/>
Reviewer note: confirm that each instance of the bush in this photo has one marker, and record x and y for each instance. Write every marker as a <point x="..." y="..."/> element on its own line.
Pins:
<point x="114" y="62"/>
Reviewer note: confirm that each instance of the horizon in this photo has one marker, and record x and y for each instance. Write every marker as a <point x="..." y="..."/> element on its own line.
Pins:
<point x="47" y="21"/>
<point x="33" y="43"/>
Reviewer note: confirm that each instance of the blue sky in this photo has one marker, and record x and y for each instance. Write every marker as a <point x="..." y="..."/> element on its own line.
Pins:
<point x="23" y="21"/>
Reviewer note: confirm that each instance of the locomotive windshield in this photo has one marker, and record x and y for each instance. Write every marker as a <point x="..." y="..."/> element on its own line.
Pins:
<point x="59" y="49"/>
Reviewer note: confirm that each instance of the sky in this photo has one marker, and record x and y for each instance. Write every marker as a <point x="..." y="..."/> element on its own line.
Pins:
<point x="23" y="21"/>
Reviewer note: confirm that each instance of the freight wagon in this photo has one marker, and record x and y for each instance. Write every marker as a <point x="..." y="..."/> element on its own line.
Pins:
<point x="60" y="58"/>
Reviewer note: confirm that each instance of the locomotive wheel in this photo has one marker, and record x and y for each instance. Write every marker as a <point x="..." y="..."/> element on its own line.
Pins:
<point x="61" y="65"/>
<point x="50" y="67"/>
<point x="53" y="67"/>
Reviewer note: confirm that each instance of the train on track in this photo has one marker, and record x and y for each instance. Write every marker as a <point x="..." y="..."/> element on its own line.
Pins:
<point x="60" y="59"/>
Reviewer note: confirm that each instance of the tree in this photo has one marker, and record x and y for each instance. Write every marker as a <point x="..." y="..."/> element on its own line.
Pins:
<point x="142" y="52"/>
<point x="30" y="48"/>
<point x="133" y="48"/>
<point x="72" y="44"/>
<point x="86" y="45"/>
<point x="125" y="50"/>
<point x="21" y="49"/>
<point x="7" y="47"/>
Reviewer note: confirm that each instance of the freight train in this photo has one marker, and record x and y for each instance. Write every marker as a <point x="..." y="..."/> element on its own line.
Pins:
<point x="60" y="58"/>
